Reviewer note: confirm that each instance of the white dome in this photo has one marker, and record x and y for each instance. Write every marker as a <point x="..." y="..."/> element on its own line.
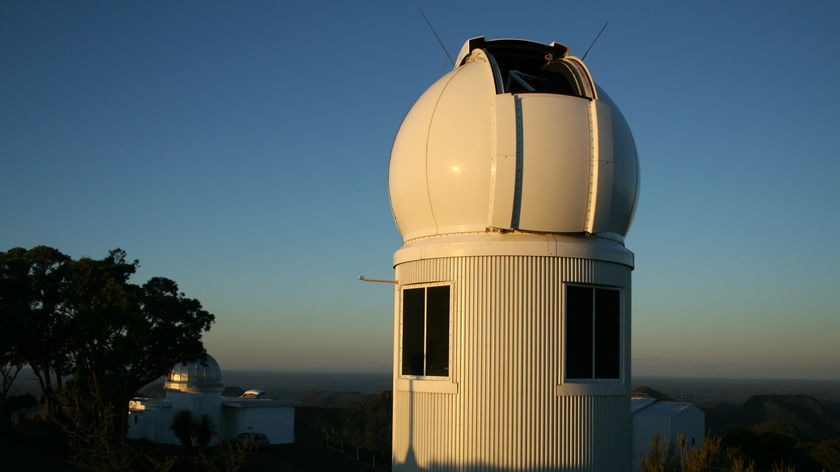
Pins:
<point x="513" y="139"/>
<point x="201" y="375"/>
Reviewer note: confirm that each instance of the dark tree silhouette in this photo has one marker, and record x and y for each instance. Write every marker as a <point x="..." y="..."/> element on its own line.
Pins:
<point x="32" y="286"/>
<point x="205" y="432"/>
<point x="84" y="318"/>
<point x="10" y="365"/>
<point x="182" y="426"/>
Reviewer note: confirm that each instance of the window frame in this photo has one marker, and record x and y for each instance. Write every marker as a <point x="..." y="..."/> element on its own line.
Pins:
<point x="593" y="346"/>
<point x="402" y="338"/>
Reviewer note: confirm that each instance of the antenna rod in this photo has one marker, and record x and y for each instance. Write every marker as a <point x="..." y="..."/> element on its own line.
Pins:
<point x="365" y="279"/>
<point x="596" y="39"/>
<point x="451" y="61"/>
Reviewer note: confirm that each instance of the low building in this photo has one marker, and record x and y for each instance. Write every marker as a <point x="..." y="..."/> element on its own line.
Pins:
<point x="197" y="387"/>
<point x="672" y="421"/>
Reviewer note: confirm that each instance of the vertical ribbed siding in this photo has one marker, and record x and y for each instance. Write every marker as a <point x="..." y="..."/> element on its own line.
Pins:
<point x="507" y="335"/>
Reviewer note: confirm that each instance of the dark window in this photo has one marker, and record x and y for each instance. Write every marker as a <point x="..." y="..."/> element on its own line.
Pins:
<point x="425" y="331"/>
<point x="593" y="333"/>
<point x="414" y="326"/>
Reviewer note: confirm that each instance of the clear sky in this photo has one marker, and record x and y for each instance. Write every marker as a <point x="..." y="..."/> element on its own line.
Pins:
<point x="241" y="149"/>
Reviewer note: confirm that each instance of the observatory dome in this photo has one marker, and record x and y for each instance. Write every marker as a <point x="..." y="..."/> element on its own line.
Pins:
<point x="516" y="138"/>
<point x="201" y="375"/>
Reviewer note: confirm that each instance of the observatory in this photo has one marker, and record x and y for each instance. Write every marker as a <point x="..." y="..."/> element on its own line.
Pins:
<point x="196" y="386"/>
<point x="513" y="180"/>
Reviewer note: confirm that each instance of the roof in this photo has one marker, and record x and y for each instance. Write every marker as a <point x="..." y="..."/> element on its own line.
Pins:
<point x="651" y="407"/>
<point x="637" y="404"/>
<point x="257" y="403"/>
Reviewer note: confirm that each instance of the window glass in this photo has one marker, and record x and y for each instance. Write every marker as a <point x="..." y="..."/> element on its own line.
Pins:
<point x="425" y="331"/>
<point x="578" y="332"/>
<point x="593" y="333"/>
<point x="413" y="327"/>
<point x="437" y="331"/>
<point x="607" y="334"/>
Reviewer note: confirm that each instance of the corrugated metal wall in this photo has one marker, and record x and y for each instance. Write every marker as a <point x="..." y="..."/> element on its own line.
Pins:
<point x="507" y="363"/>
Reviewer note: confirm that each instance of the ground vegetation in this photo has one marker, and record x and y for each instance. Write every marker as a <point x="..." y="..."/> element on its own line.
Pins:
<point x="778" y="433"/>
<point x="360" y="429"/>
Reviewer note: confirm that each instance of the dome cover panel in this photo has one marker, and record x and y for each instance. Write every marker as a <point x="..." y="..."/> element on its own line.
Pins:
<point x="199" y="375"/>
<point x="618" y="186"/>
<point x="459" y="151"/>
<point x="556" y="163"/>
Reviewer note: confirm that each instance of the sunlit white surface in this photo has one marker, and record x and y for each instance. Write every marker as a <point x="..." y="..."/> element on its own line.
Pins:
<point x="468" y="158"/>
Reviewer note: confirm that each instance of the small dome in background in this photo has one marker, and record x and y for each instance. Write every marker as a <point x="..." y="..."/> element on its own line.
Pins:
<point x="255" y="393"/>
<point x="201" y="375"/>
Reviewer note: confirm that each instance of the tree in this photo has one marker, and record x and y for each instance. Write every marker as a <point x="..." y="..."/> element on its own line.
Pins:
<point x="131" y="335"/>
<point x="182" y="426"/>
<point x="186" y="427"/>
<point x="32" y="314"/>
<point x="10" y="366"/>
<point x="827" y="453"/>
<point x="84" y="318"/>
<point x="205" y="432"/>
<point x="88" y="426"/>
<point x="10" y="360"/>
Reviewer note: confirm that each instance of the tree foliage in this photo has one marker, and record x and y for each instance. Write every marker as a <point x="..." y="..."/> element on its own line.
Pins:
<point x="84" y="319"/>
<point x="364" y="428"/>
<point x="827" y="453"/>
<point x="32" y="283"/>
<point x="368" y="426"/>
<point x="89" y="427"/>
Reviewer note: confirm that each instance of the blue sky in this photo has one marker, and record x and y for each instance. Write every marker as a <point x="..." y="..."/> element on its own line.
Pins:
<point x="241" y="149"/>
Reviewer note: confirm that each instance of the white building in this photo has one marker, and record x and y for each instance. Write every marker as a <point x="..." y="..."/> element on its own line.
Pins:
<point x="513" y="180"/>
<point x="197" y="387"/>
<point x="671" y="421"/>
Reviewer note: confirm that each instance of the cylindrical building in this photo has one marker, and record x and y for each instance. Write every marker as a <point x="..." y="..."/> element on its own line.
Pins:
<point x="513" y="181"/>
<point x="196" y="386"/>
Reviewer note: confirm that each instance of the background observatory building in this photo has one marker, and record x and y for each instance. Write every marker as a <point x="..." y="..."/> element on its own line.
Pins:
<point x="513" y="180"/>
<point x="196" y="386"/>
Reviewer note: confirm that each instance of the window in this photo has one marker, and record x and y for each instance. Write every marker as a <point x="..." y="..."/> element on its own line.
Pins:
<point x="593" y="332"/>
<point x="425" y="331"/>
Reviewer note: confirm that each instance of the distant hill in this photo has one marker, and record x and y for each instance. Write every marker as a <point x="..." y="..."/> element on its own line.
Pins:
<point x="705" y="391"/>
<point x="798" y="416"/>
<point x="332" y="399"/>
